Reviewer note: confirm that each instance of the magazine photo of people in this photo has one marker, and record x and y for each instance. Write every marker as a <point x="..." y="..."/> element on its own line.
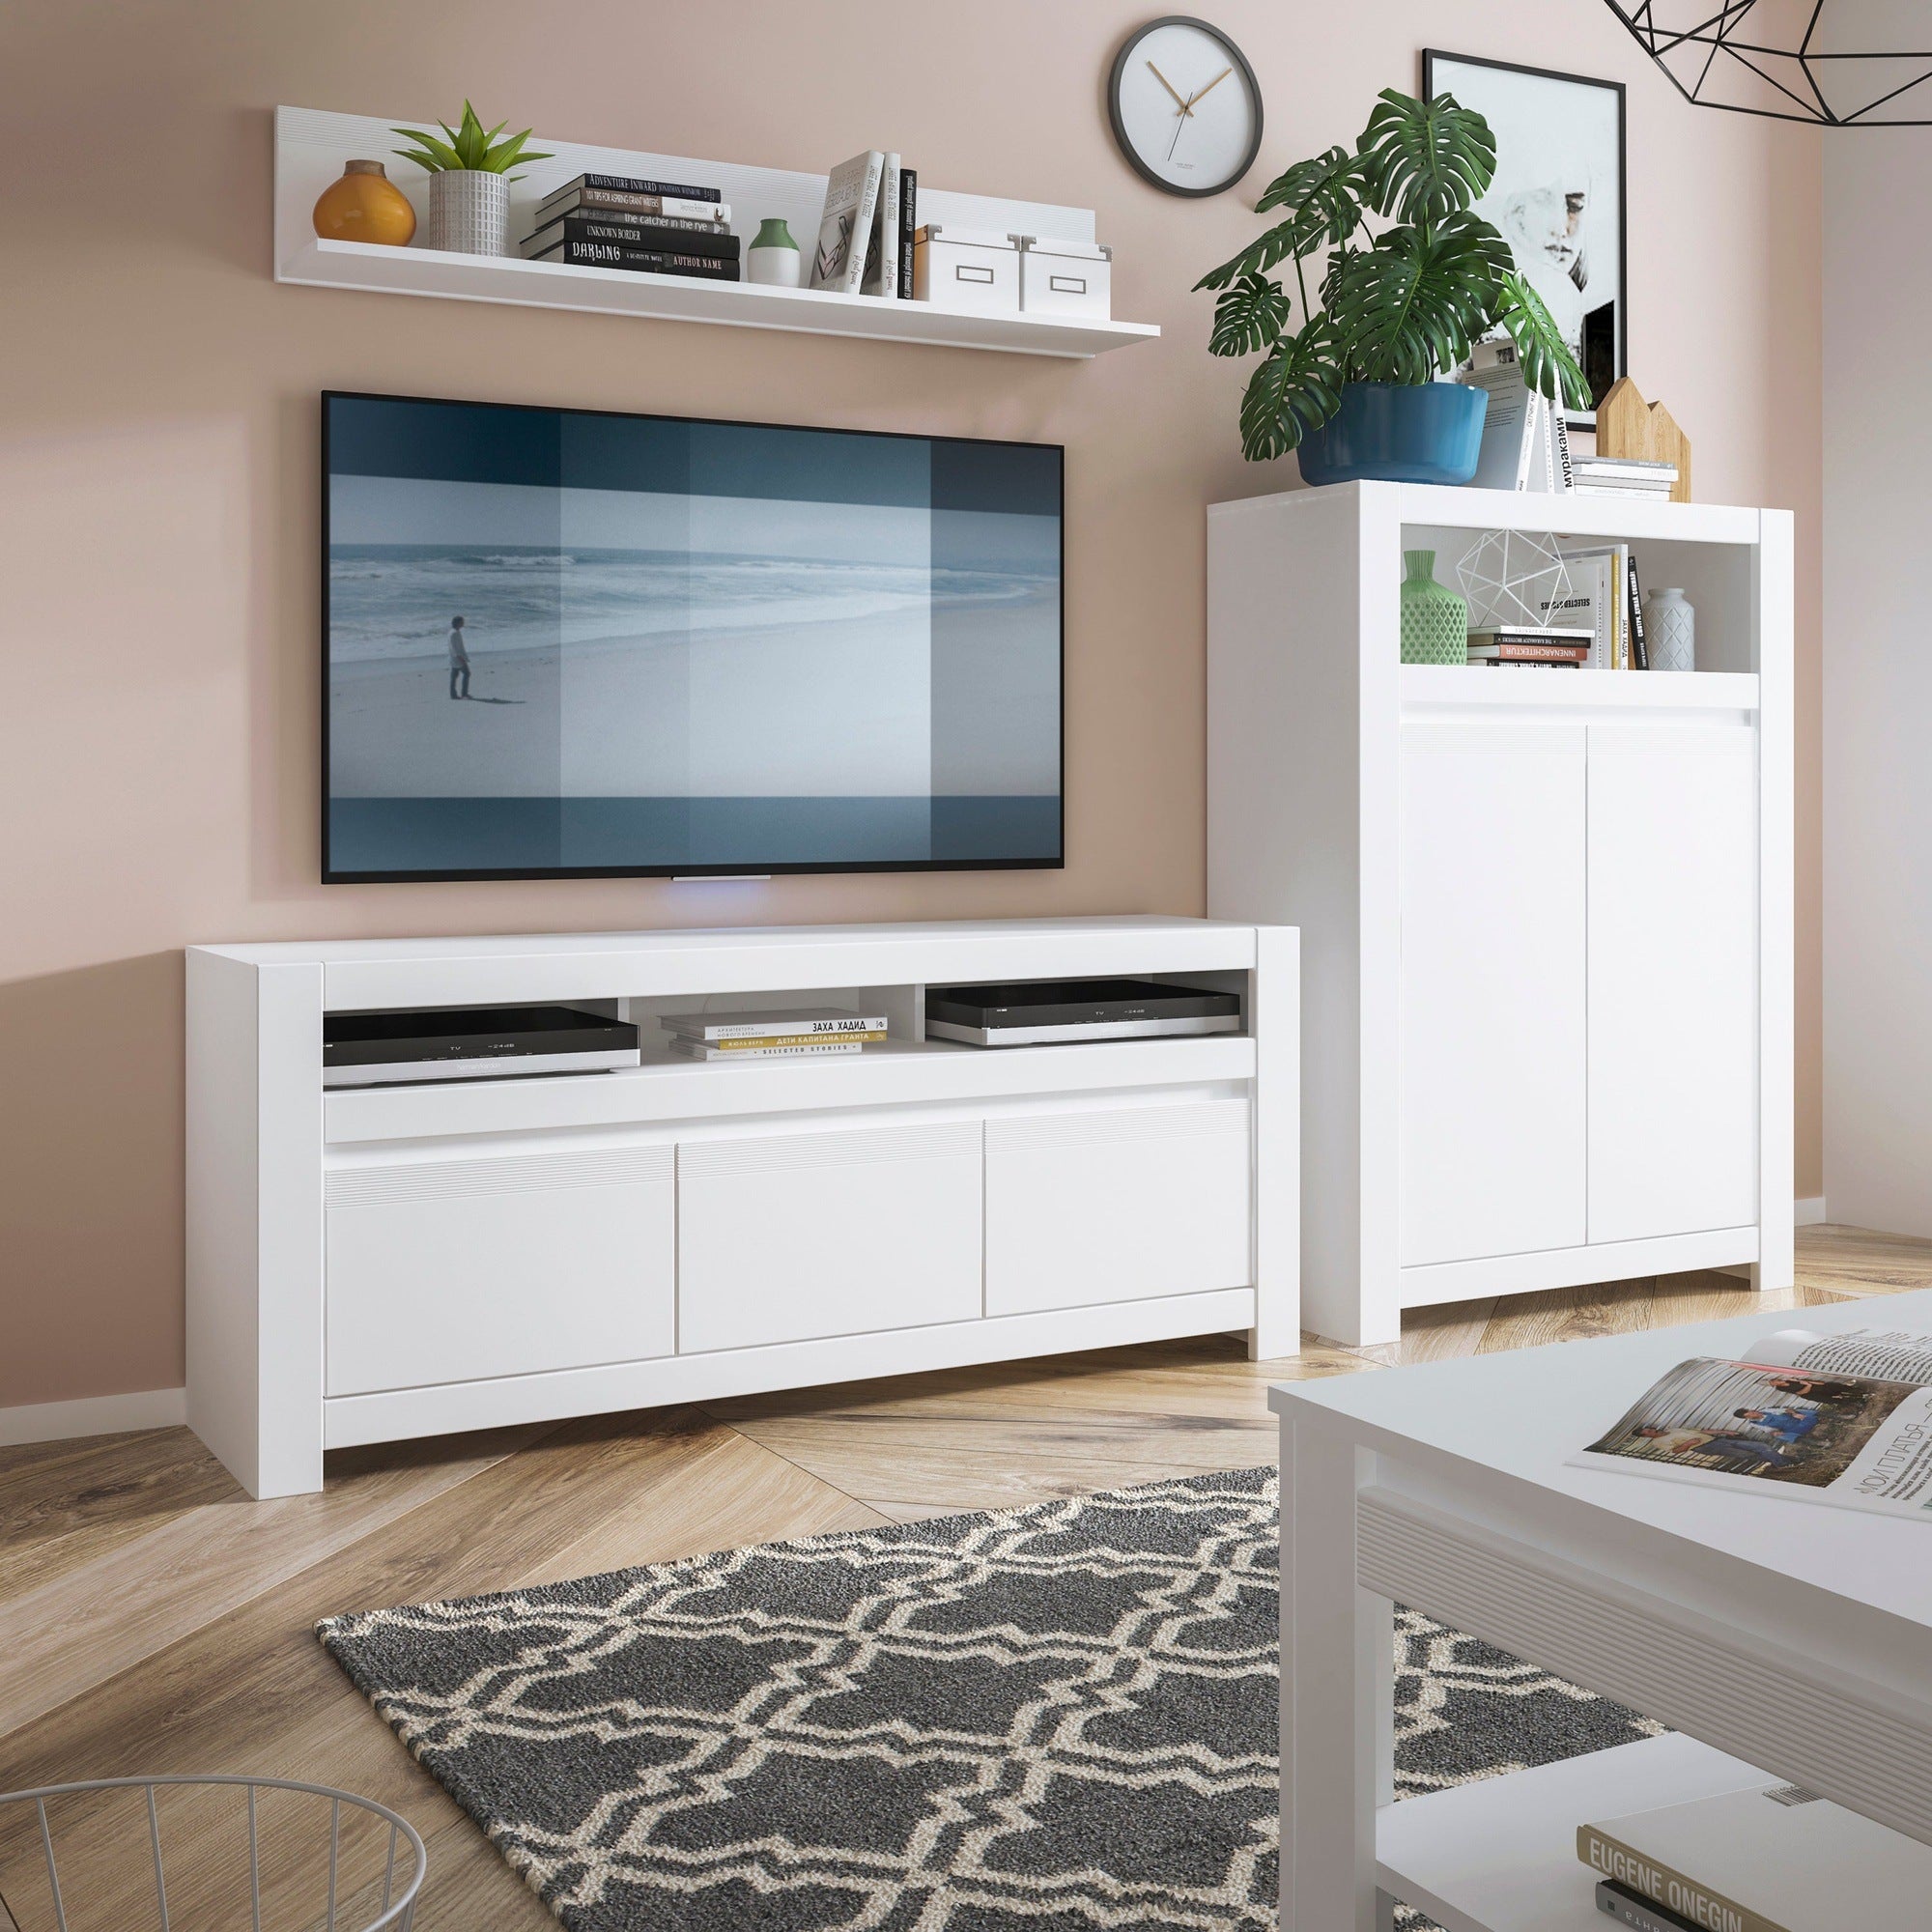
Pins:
<point x="1805" y="1422"/>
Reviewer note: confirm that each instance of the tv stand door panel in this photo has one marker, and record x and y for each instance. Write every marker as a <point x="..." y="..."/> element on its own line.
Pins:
<point x="790" y="1237"/>
<point x="460" y="1270"/>
<point x="1116" y="1204"/>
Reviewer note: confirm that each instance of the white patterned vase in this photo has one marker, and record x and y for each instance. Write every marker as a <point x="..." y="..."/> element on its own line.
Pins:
<point x="469" y="211"/>
<point x="1669" y="631"/>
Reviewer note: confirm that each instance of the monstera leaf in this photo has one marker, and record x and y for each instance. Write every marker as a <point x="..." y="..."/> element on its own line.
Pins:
<point x="1248" y="317"/>
<point x="1426" y="159"/>
<point x="1292" y="394"/>
<point x="1323" y="199"/>
<point x="1409" y="307"/>
<point x="1543" y="356"/>
<point x="1403" y="305"/>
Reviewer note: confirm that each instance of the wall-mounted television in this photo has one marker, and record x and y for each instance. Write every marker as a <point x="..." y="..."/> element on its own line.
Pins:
<point x="571" y="643"/>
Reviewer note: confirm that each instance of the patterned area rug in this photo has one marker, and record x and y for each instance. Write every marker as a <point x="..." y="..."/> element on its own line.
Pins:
<point x="1059" y="1718"/>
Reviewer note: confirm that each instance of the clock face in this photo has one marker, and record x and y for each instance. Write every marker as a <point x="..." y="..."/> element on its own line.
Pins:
<point x="1186" y="107"/>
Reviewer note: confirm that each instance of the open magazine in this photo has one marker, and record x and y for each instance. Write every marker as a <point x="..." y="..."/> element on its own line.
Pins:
<point x="1843" y="1419"/>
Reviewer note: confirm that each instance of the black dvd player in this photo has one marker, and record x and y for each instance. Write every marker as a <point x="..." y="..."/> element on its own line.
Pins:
<point x="1038" y="1012"/>
<point x="470" y="1042"/>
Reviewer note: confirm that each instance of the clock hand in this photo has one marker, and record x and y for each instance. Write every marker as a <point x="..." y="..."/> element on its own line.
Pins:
<point x="1211" y="85"/>
<point x="1180" y="121"/>
<point x="1169" y="85"/>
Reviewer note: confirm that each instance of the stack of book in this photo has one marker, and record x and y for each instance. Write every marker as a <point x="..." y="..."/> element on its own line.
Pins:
<point x="1623" y="477"/>
<point x="792" y="1033"/>
<point x="1530" y="644"/>
<point x="1767" y="1859"/>
<point x="650" y="227"/>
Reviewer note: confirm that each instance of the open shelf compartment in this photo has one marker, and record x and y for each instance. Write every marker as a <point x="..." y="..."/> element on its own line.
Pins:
<point x="1500" y="1854"/>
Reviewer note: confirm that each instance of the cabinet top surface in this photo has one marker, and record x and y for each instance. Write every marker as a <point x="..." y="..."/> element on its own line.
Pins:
<point x="1437" y="505"/>
<point x="751" y="939"/>
<point x="1506" y="1425"/>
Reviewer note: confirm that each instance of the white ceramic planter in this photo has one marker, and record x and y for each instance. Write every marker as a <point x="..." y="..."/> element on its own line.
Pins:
<point x="1669" y="631"/>
<point x="468" y="212"/>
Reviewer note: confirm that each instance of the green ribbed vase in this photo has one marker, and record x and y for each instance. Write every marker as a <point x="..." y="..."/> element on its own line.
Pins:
<point x="1434" y="620"/>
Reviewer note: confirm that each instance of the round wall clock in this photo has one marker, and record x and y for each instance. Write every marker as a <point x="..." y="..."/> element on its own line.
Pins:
<point x="1185" y="106"/>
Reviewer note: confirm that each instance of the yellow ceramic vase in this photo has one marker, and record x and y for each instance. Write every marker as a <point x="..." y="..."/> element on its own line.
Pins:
<point x="365" y="206"/>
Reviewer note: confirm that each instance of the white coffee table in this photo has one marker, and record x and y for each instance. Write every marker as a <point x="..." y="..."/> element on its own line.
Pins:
<point x="1776" y="1636"/>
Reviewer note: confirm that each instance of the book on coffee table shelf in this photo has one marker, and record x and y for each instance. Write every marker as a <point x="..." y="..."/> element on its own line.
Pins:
<point x="1771" y="1858"/>
<point x="1638" y="1913"/>
<point x="1843" y="1419"/>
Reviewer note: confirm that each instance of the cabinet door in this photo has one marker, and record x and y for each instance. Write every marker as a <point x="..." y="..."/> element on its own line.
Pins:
<point x="784" y="1238"/>
<point x="1115" y="1204"/>
<point x="455" y="1270"/>
<point x="1492" y="988"/>
<point x="1674" y="979"/>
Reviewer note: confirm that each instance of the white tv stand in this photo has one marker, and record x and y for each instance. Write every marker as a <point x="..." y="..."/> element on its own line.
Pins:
<point x="373" y="1263"/>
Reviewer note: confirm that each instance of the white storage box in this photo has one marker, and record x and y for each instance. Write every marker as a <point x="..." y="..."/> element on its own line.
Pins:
<point x="1066" y="277"/>
<point x="966" y="268"/>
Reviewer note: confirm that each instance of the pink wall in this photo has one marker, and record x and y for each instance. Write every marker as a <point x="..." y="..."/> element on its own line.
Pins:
<point x="157" y="495"/>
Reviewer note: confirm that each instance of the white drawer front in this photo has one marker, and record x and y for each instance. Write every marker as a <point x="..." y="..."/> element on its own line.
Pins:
<point x="456" y="1270"/>
<point x="786" y="1238"/>
<point x="1115" y="1204"/>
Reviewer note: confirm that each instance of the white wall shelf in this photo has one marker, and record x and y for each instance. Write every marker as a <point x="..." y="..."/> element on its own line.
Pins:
<point x="366" y="1265"/>
<point x="311" y="145"/>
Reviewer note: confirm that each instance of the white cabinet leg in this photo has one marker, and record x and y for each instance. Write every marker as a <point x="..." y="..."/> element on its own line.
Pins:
<point x="1336" y="1687"/>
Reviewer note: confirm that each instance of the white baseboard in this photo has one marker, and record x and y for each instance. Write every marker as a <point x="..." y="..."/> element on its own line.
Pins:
<point x="91" y="1415"/>
<point x="1810" y="1213"/>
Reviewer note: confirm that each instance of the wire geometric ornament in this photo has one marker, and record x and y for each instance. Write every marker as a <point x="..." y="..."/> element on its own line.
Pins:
<point x="1511" y="578"/>
<point x="1788" y="60"/>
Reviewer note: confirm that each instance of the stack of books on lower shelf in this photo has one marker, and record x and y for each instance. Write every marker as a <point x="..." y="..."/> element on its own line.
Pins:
<point x="792" y="1032"/>
<point x="1530" y="644"/>
<point x="649" y="227"/>
<point x="1767" y="1859"/>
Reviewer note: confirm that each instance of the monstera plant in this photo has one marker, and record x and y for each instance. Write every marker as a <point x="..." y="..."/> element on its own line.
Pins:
<point x="1393" y="278"/>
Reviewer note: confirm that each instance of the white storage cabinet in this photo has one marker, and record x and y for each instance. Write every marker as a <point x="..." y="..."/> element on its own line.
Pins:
<point x="1546" y="913"/>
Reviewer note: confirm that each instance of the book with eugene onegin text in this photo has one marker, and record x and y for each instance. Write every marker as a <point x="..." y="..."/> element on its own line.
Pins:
<point x="844" y="229"/>
<point x="1767" y="1859"/>
<point x="1843" y="1419"/>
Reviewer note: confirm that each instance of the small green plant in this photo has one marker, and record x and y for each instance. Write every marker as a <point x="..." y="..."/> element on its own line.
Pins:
<point x="1403" y="305"/>
<point x="468" y="148"/>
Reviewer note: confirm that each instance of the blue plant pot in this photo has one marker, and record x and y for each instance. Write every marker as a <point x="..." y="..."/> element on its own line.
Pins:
<point x="1396" y="432"/>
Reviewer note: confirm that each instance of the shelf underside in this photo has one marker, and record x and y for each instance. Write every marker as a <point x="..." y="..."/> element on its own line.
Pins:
<point x="425" y="271"/>
<point x="668" y="1087"/>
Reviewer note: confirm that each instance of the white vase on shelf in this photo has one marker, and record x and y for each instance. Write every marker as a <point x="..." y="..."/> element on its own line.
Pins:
<point x="469" y="211"/>
<point x="1669" y="631"/>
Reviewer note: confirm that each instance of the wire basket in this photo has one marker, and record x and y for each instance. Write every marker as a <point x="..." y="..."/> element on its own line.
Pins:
<point x="380" y="1870"/>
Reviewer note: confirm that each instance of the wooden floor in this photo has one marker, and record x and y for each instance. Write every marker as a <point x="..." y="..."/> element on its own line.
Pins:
<point x="152" y="1618"/>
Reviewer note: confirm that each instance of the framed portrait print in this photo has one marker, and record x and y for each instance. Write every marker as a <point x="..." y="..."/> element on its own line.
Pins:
<point x="1558" y="196"/>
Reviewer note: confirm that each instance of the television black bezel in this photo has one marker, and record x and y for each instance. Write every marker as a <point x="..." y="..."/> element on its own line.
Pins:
<point x="331" y="877"/>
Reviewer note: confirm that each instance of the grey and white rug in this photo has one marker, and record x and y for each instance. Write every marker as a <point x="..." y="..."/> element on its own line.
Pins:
<point x="1059" y="1718"/>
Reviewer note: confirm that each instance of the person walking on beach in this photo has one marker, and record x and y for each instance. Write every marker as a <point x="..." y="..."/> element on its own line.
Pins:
<point x="458" y="661"/>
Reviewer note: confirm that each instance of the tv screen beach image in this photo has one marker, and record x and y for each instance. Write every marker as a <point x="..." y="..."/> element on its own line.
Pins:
<point x="572" y="642"/>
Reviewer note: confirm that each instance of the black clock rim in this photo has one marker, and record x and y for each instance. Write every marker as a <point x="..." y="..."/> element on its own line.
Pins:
<point x="1127" y="146"/>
